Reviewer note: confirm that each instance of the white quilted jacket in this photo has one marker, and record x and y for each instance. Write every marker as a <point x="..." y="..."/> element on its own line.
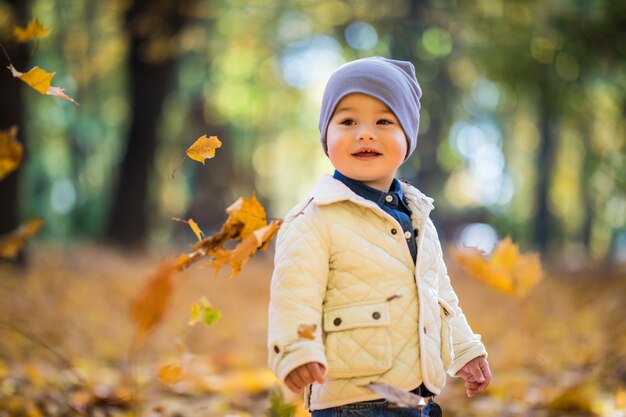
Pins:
<point x="343" y="264"/>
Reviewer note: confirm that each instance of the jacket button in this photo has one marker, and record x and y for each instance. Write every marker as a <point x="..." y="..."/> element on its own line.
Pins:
<point x="407" y="235"/>
<point x="389" y="198"/>
<point x="376" y="315"/>
<point x="276" y="349"/>
<point x="337" y="321"/>
<point x="394" y="231"/>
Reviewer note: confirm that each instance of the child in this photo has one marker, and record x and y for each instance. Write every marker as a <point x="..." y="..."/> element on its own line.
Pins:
<point x="360" y="259"/>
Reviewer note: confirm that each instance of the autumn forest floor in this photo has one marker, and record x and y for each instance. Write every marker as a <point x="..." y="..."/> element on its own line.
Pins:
<point x="559" y="352"/>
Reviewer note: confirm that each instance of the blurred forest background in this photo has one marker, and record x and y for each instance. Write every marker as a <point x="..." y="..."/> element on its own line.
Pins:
<point x="523" y="133"/>
<point x="522" y="122"/>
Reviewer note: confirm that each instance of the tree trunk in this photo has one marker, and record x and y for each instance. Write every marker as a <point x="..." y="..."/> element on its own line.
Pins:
<point x="150" y="79"/>
<point x="545" y="161"/>
<point x="11" y="113"/>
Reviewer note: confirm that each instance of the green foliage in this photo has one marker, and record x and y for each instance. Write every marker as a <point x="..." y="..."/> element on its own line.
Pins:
<point x="278" y="407"/>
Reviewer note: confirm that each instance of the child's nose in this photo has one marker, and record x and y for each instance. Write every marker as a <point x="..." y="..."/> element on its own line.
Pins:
<point x="365" y="132"/>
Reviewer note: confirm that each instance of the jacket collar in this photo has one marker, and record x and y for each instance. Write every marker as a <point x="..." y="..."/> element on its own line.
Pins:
<point x="329" y="190"/>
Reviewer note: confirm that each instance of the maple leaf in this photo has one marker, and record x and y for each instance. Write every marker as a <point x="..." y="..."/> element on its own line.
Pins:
<point x="240" y="255"/>
<point x="11" y="151"/>
<point x="202" y="311"/>
<point x="149" y="307"/>
<point x="249" y="212"/>
<point x="236" y="257"/>
<point x="33" y="30"/>
<point x="307" y="331"/>
<point x="204" y="148"/>
<point x="11" y="244"/>
<point x="193" y="226"/>
<point x="40" y="80"/>
<point x="507" y="270"/>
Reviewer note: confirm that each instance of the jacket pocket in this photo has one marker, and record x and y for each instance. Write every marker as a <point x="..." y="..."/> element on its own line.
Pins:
<point x="358" y="342"/>
<point x="447" y="351"/>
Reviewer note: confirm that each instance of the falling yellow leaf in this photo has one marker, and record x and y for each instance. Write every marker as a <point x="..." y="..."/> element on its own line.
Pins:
<point x="307" y="331"/>
<point x="33" y="30"/>
<point x="202" y="311"/>
<point x="204" y="148"/>
<point x="193" y="226"/>
<point x="508" y="271"/>
<point x="40" y="80"/>
<point x="11" y="151"/>
<point x="249" y="212"/>
<point x="11" y="244"/>
<point x="149" y="307"/>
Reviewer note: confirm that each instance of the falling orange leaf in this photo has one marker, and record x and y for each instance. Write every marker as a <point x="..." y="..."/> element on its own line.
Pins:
<point x="507" y="270"/>
<point x="40" y="80"/>
<point x="236" y="257"/>
<point x="204" y="148"/>
<point x="307" y="331"/>
<point x="11" y="151"/>
<point x="149" y="307"/>
<point x="34" y="30"/>
<point x="11" y="244"/>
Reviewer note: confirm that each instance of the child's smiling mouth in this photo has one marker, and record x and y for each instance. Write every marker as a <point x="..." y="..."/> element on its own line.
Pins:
<point x="366" y="154"/>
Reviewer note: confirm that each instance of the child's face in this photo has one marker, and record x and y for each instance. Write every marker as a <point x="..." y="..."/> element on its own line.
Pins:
<point x="365" y="141"/>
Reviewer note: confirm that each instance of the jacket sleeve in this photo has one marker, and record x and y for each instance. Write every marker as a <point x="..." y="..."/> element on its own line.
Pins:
<point x="296" y="295"/>
<point x="466" y="344"/>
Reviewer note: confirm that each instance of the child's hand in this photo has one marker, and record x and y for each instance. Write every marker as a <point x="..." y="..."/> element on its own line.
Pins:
<point x="305" y="375"/>
<point x="476" y="374"/>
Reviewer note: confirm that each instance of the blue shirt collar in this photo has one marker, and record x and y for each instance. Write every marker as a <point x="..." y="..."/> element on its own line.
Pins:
<point x="377" y="196"/>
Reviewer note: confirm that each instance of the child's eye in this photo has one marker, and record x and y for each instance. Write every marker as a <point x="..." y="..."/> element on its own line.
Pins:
<point x="384" y="122"/>
<point x="348" y="122"/>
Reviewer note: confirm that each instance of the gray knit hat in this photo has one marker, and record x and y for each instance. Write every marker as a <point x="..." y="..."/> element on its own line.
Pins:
<point x="392" y="82"/>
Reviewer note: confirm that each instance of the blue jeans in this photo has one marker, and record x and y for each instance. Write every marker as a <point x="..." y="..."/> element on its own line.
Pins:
<point x="373" y="409"/>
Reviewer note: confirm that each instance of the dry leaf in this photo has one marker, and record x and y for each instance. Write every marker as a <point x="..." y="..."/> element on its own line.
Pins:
<point x="34" y="30"/>
<point x="149" y="307"/>
<point x="202" y="311"/>
<point x="12" y="243"/>
<point x="40" y="80"/>
<point x="397" y="396"/>
<point x="11" y="151"/>
<point x="193" y="226"/>
<point x="249" y="212"/>
<point x="204" y="148"/>
<point x="237" y="257"/>
<point x="507" y="270"/>
<point x="307" y="331"/>
<point x="266" y="234"/>
<point x="170" y="373"/>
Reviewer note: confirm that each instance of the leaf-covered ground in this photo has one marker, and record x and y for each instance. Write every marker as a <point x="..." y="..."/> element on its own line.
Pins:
<point x="559" y="352"/>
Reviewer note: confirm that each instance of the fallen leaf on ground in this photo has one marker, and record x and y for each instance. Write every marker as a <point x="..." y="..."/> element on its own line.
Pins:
<point x="33" y="30"/>
<point x="11" y="151"/>
<point x="204" y="148"/>
<point x="507" y="270"/>
<point x="307" y="331"/>
<point x="12" y="243"/>
<point x="40" y="80"/>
